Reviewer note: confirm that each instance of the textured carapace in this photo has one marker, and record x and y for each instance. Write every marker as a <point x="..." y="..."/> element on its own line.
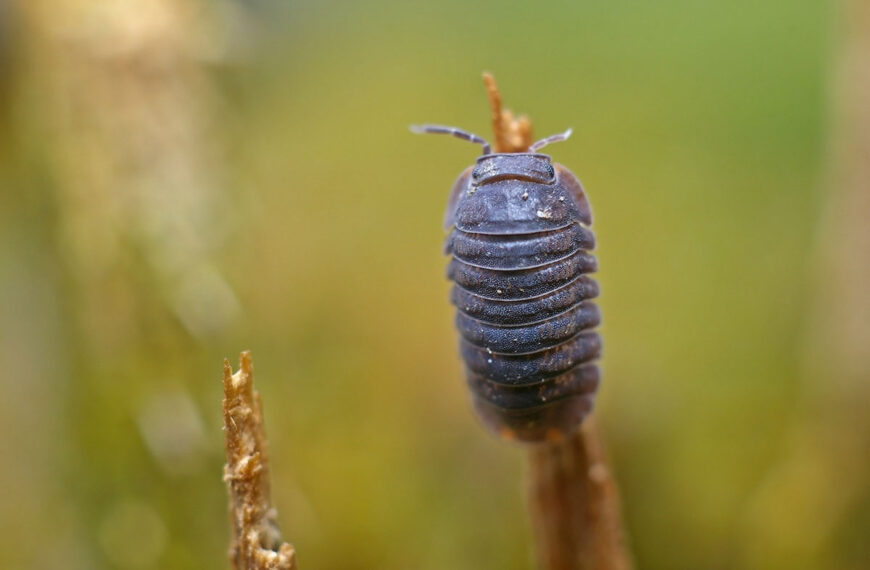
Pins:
<point x="519" y="241"/>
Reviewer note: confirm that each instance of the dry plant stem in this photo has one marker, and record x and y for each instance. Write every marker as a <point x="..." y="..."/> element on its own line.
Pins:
<point x="256" y="540"/>
<point x="511" y="134"/>
<point x="574" y="504"/>
<point x="573" y="498"/>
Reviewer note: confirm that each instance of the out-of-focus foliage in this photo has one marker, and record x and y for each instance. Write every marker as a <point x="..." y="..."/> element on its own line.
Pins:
<point x="182" y="181"/>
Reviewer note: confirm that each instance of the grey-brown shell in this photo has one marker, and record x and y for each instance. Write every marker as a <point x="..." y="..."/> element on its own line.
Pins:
<point x="520" y="243"/>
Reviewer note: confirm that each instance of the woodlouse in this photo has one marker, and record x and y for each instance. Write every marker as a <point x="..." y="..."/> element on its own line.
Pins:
<point x="519" y="241"/>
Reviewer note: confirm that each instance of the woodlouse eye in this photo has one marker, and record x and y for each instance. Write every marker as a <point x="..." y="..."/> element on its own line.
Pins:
<point x="475" y="173"/>
<point x="550" y="171"/>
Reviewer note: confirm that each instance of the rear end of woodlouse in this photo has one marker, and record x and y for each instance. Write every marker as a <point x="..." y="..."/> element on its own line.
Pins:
<point x="520" y="241"/>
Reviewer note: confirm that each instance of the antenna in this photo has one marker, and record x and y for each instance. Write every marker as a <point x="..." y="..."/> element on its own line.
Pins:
<point x="535" y="147"/>
<point x="453" y="131"/>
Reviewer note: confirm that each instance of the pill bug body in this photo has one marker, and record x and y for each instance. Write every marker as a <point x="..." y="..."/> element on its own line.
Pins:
<point x="519" y="241"/>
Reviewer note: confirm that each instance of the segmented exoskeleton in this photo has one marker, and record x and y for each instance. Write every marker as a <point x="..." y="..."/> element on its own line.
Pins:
<point x="520" y="240"/>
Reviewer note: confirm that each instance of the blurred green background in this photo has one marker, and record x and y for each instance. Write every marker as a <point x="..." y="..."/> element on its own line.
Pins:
<point x="182" y="181"/>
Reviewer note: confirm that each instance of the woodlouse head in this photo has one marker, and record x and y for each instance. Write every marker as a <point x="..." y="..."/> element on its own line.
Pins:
<point x="530" y="167"/>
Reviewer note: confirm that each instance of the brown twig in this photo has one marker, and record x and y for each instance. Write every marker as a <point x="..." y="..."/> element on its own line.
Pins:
<point x="511" y="134"/>
<point x="574" y="504"/>
<point x="256" y="541"/>
<point x="573" y="498"/>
